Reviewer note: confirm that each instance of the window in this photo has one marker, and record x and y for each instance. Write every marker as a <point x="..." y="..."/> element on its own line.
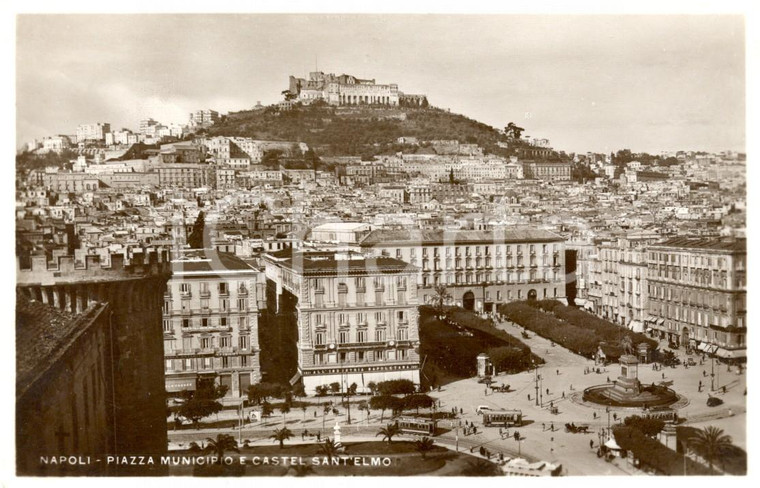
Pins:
<point x="400" y="316"/>
<point x="360" y="356"/>
<point x="402" y="354"/>
<point x="167" y="325"/>
<point x="225" y="361"/>
<point x="402" y="334"/>
<point x="343" y="337"/>
<point x="318" y="319"/>
<point x="184" y="288"/>
<point x="243" y="342"/>
<point x="223" y="322"/>
<point x="224" y="304"/>
<point x="319" y="338"/>
<point x="167" y="307"/>
<point x="241" y="305"/>
<point x="244" y="361"/>
<point x="379" y="355"/>
<point x="185" y="323"/>
<point x="379" y="317"/>
<point x="223" y="289"/>
<point x="204" y="322"/>
<point x="361" y="318"/>
<point x="380" y="335"/>
<point x="225" y="341"/>
<point x="361" y="336"/>
<point x="342" y="319"/>
<point x="204" y="303"/>
<point x="342" y="357"/>
<point x="168" y="365"/>
<point x="205" y="342"/>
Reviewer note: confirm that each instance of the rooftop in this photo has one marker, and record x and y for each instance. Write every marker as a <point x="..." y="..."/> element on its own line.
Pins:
<point x="334" y="263"/>
<point x="438" y="237"/>
<point x="724" y="244"/>
<point x="209" y="261"/>
<point x="43" y="334"/>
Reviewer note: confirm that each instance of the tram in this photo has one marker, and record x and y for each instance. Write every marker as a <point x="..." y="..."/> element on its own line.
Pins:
<point x="502" y="418"/>
<point x="416" y="425"/>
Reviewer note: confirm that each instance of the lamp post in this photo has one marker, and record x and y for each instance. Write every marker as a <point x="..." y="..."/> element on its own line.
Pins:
<point x="537" y="389"/>
<point x="712" y="373"/>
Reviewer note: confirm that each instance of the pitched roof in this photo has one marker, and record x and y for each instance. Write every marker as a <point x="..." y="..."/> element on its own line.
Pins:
<point x="209" y="260"/>
<point x="321" y="263"/>
<point x="43" y="334"/>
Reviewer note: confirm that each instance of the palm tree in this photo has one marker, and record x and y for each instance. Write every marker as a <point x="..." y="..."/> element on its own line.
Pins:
<point x="195" y="447"/>
<point x="440" y="298"/>
<point x="388" y="432"/>
<point x="284" y="408"/>
<point x="424" y="445"/>
<point x="281" y="435"/>
<point x="480" y="467"/>
<point x="222" y="443"/>
<point x="329" y="449"/>
<point x="710" y="443"/>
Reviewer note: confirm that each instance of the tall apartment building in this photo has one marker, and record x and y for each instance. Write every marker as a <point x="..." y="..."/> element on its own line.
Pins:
<point x="356" y="317"/>
<point x="93" y="132"/>
<point x="204" y="117"/>
<point x="623" y="266"/>
<point x="698" y="295"/>
<point x="547" y="170"/>
<point x="186" y="175"/>
<point x="211" y="322"/>
<point x="479" y="268"/>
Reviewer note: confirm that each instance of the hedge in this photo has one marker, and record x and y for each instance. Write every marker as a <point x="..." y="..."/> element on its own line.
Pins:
<point x="650" y="452"/>
<point x="572" y="328"/>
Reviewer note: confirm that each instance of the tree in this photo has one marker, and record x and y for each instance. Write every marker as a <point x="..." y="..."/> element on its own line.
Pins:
<point x="424" y="445"/>
<point x="220" y="445"/>
<point x="440" y="298"/>
<point x="480" y="467"/>
<point x="263" y="391"/>
<point x="710" y="443"/>
<point x="389" y="432"/>
<point x="266" y="409"/>
<point x="329" y="449"/>
<point x="284" y="408"/>
<point x="288" y="95"/>
<point x="379" y="403"/>
<point x="334" y="387"/>
<point x="203" y="402"/>
<point x="372" y="387"/>
<point x="281" y="435"/>
<point x="396" y="387"/>
<point x="647" y="426"/>
<point x="418" y="401"/>
<point x="513" y="130"/>
<point x="196" y="236"/>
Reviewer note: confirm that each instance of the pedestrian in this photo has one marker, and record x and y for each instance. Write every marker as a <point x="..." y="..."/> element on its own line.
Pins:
<point x="315" y="414"/>
<point x="663" y="375"/>
<point x="552" y="426"/>
<point x="461" y="411"/>
<point x="614" y="416"/>
<point x="543" y="426"/>
<point x="608" y="379"/>
<point x="595" y="415"/>
<point x="319" y="437"/>
<point x="474" y="430"/>
<point x="591" y="443"/>
<point x="551" y="403"/>
<point x="724" y="388"/>
<point x="563" y="394"/>
<point x="547" y="391"/>
<point x="500" y="432"/>
<point x="528" y="396"/>
<point x="557" y="372"/>
<point x="517" y="436"/>
<point x="303" y="435"/>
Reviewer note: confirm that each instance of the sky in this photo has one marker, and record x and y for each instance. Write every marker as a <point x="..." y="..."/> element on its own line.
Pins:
<point x="587" y="83"/>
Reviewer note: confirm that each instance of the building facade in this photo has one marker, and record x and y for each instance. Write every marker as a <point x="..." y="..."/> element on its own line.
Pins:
<point x="342" y="90"/>
<point x="480" y="269"/>
<point x="356" y="317"/>
<point x="93" y="132"/>
<point x="698" y="295"/>
<point x="211" y="322"/>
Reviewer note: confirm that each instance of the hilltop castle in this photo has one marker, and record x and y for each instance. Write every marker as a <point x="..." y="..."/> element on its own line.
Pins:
<point x="349" y="90"/>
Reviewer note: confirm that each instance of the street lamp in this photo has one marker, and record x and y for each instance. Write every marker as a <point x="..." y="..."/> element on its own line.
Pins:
<point x="537" y="388"/>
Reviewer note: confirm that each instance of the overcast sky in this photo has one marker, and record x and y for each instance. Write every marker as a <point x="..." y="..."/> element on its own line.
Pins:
<point x="597" y="83"/>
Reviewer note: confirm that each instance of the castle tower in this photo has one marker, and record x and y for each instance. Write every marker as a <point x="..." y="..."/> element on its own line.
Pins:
<point x="133" y="284"/>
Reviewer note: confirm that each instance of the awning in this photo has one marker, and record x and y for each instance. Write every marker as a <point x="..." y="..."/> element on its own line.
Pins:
<point x="651" y="318"/>
<point x="731" y="353"/>
<point x="702" y="346"/>
<point x="295" y="378"/>
<point x="611" y="444"/>
<point x="660" y="321"/>
<point x="178" y="384"/>
<point x="711" y="348"/>
<point x="636" y="326"/>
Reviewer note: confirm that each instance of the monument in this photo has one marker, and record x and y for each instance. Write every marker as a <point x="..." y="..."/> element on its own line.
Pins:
<point x="627" y="390"/>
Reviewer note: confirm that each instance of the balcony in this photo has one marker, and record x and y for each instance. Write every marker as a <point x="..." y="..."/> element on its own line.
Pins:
<point x="205" y="294"/>
<point x="205" y="311"/>
<point x="185" y="295"/>
<point x="243" y="292"/>
<point x="224" y="293"/>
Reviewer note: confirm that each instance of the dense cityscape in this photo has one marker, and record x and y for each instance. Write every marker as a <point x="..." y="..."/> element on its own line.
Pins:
<point x="360" y="279"/>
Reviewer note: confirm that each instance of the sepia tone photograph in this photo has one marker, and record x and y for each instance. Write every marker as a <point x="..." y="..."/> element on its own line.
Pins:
<point x="380" y="245"/>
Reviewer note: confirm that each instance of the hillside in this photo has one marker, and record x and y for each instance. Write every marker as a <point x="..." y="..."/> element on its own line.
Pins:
<point x="359" y="131"/>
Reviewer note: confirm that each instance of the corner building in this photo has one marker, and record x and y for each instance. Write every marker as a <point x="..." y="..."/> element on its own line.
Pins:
<point x="356" y="317"/>
<point x="698" y="294"/>
<point x="211" y="322"/>
<point x="480" y="269"/>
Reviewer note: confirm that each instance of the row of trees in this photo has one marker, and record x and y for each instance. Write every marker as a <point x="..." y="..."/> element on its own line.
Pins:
<point x="572" y="328"/>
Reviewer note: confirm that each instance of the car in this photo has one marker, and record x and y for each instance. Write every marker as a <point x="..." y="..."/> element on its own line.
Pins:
<point x="482" y="408"/>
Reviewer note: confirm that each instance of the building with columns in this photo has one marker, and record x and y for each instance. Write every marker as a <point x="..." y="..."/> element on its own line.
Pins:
<point x="132" y="284"/>
<point x="349" y="90"/>
<point x="698" y="294"/>
<point x="356" y="317"/>
<point x="480" y="269"/>
<point x="211" y="322"/>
